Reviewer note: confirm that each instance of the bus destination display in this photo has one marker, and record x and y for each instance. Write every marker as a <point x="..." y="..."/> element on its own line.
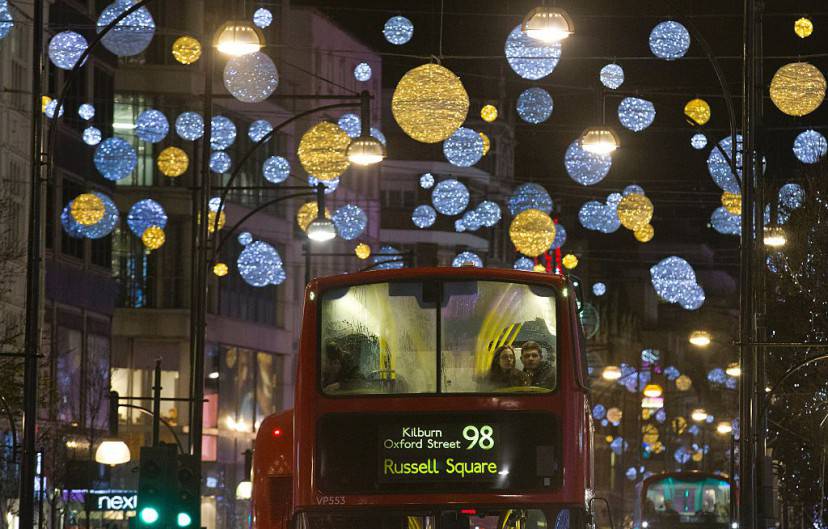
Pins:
<point x="439" y="452"/>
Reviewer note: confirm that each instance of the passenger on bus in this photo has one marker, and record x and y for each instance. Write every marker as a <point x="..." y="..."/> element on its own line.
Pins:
<point x="340" y="371"/>
<point x="540" y="372"/>
<point x="503" y="373"/>
<point x="671" y="516"/>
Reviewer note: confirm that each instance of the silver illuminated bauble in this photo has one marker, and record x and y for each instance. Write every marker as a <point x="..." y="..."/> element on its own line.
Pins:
<point x="223" y="133"/>
<point x="489" y="213"/>
<point x="189" y="126"/>
<point x="378" y="135"/>
<point x="245" y="238"/>
<point x="389" y="259"/>
<point x="459" y="227"/>
<point x="584" y="167"/>
<point x="534" y="105"/>
<point x="633" y="189"/>
<point x="220" y="162"/>
<point x="146" y="213"/>
<point x="718" y="164"/>
<point x="51" y="107"/>
<point x="86" y="111"/>
<point x="132" y="34"/>
<point x="398" y="30"/>
<point x="351" y="124"/>
<point x="427" y="181"/>
<point x="530" y="196"/>
<point x="423" y="216"/>
<point x="258" y="263"/>
<point x="599" y="289"/>
<point x="6" y="20"/>
<point x="531" y="58"/>
<point x="613" y="199"/>
<point x="463" y="148"/>
<point x="560" y="237"/>
<point x="612" y="76"/>
<point x="259" y="129"/>
<point x="91" y="136"/>
<point x="350" y="221"/>
<point x="152" y="126"/>
<point x="66" y="48"/>
<point x="725" y="222"/>
<point x="791" y="196"/>
<point x="115" y="159"/>
<point x="675" y="282"/>
<point x="450" y="197"/>
<point x="251" y="78"/>
<point x="467" y="259"/>
<point x="698" y="141"/>
<point x="596" y="216"/>
<point x="810" y="146"/>
<point x="471" y="220"/>
<point x="262" y="17"/>
<point x="362" y="72"/>
<point x="276" y="169"/>
<point x="636" y="114"/>
<point x="669" y="40"/>
<point x="72" y="227"/>
<point x="524" y="263"/>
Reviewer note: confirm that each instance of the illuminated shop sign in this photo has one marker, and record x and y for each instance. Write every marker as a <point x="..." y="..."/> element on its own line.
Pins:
<point x="114" y="500"/>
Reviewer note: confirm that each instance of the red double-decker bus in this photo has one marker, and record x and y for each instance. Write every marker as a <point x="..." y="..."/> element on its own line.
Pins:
<point x="432" y="399"/>
<point x="687" y="500"/>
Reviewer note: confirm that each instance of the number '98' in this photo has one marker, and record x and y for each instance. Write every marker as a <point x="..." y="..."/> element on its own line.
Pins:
<point x="479" y="436"/>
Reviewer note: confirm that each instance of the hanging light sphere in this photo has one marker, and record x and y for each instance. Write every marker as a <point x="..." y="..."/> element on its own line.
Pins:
<point x="362" y="72"/>
<point x="633" y="188"/>
<point x="430" y="103"/>
<point x="488" y="213"/>
<point x="245" y="238"/>
<point x="51" y="107"/>
<point x="307" y="213"/>
<point x="323" y="151"/>
<point x="488" y="113"/>
<point x="810" y="146"/>
<point x="144" y="214"/>
<point x="390" y="259"/>
<point x="530" y="196"/>
<point x="223" y="133"/>
<point x="423" y="216"/>
<point x="251" y="78"/>
<point x="797" y="89"/>
<point x="675" y="282"/>
<point x="803" y="28"/>
<point x="599" y="289"/>
<point x="532" y="232"/>
<point x="220" y="269"/>
<point x="212" y="224"/>
<point x="276" y="169"/>
<point x="471" y="220"/>
<point x="351" y="124"/>
<point x="132" y="34"/>
<point x="791" y="196"/>
<point x="220" y="162"/>
<point x="427" y="181"/>
<point x="523" y="263"/>
<point x="669" y="40"/>
<point x="585" y="167"/>
<point x="636" y="114"/>
<point x="697" y="111"/>
<point x="612" y="76"/>
<point x="725" y="222"/>
<point x="644" y="233"/>
<point x="186" y="49"/>
<point x="115" y="159"/>
<point x="238" y="37"/>
<point x="534" y="105"/>
<point x="87" y="209"/>
<point x="570" y="261"/>
<point x="698" y="141"/>
<point x="44" y="101"/>
<point x="258" y="264"/>
<point x="259" y="129"/>
<point x="599" y="140"/>
<point x="635" y="211"/>
<point x="70" y="225"/>
<point x="86" y="111"/>
<point x="66" y="48"/>
<point x="350" y="221"/>
<point x="547" y="24"/>
<point x="718" y="164"/>
<point x="262" y="17"/>
<point x="362" y="251"/>
<point x="539" y="268"/>
<point x="152" y="126"/>
<point x="598" y="217"/>
<point x="103" y="227"/>
<point x="91" y="136"/>
<point x="153" y="237"/>
<point x="560" y="237"/>
<point x="467" y="259"/>
<point x="732" y="202"/>
<point x="487" y="143"/>
<point x="463" y="148"/>
<point x="450" y="197"/>
<point x="530" y="58"/>
<point x="6" y="20"/>
<point x="365" y="150"/>
<point x="173" y="162"/>
<point x="189" y="126"/>
<point x="398" y="30"/>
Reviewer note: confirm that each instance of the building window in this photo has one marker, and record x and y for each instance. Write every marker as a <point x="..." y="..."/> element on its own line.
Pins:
<point x="127" y="110"/>
<point x="239" y="300"/>
<point x="130" y="268"/>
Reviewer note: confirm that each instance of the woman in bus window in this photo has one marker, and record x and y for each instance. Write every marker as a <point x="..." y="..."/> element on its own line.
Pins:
<point x="503" y="372"/>
<point x="340" y="371"/>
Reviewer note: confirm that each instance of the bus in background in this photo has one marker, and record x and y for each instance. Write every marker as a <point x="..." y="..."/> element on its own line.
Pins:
<point x="433" y="398"/>
<point x="687" y="500"/>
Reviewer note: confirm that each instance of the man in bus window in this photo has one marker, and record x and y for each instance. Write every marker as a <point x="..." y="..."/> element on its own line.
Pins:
<point x="540" y="372"/>
<point x="340" y="371"/>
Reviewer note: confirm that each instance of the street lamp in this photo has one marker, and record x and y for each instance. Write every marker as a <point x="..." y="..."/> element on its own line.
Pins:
<point x="699" y="415"/>
<point x="366" y="150"/>
<point x="724" y="427"/>
<point x="734" y="370"/>
<point x="775" y="236"/>
<point x="244" y="490"/>
<point x="321" y="230"/>
<point x="611" y="373"/>
<point x="653" y="390"/>
<point x="112" y="451"/>
<point x="238" y="37"/>
<point x="547" y="24"/>
<point x="700" y="338"/>
<point x="600" y="140"/>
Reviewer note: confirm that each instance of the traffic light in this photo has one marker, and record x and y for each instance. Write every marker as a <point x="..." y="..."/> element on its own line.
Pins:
<point x="156" y="486"/>
<point x="187" y="511"/>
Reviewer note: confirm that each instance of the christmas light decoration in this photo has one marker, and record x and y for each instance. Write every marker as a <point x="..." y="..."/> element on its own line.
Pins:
<point x="467" y="259"/>
<point x="560" y="237"/>
<point x="262" y="17"/>
<point x="87" y="209"/>
<point x="810" y="146"/>
<point x="523" y="263"/>
<point x="599" y="411"/>
<point x="251" y="78"/>
<point x="718" y="164"/>
<point x="307" y="213"/>
<point x="276" y="169"/>
<point x="146" y="213"/>
<point x="697" y="111"/>
<point x="791" y="196"/>
<point x="66" y="48"/>
<point x="634" y="211"/>
<point x="86" y="111"/>
<point x="636" y="114"/>
<point x="51" y="107"/>
<point x="186" y="49"/>
<point x="323" y="151"/>
<point x="132" y="34"/>
<point x="598" y="217"/>
<point x="423" y="216"/>
<point x="732" y="202"/>
<point x="152" y="126"/>
<point x="698" y="141"/>
<point x="362" y="72"/>
<point x="450" y="197"/>
<point x="223" y="133"/>
<point x="532" y="232"/>
<point x="584" y="167"/>
<point x="258" y="264"/>
<point x="350" y="221"/>
<point x="669" y="40"/>
<point x="398" y="30"/>
<point x="675" y="282"/>
<point x="173" y="162"/>
<point x="534" y="105"/>
<point x="220" y="269"/>
<point x="530" y="196"/>
<point x="599" y="289"/>
<point x="351" y="124"/>
<point x="6" y="20"/>
<point x="91" y="136"/>
<point x="463" y="148"/>
<point x="362" y="251"/>
<point x="488" y="113"/>
<point x="797" y="89"/>
<point x="530" y="58"/>
<point x="245" y="238"/>
<point x="612" y="76"/>
<point x="189" y="126"/>
<point x="220" y="162"/>
<point x="430" y="103"/>
<point x="259" y="129"/>
<point x="644" y="233"/>
<point x="103" y="227"/>
<point x="390" y="259"/>
<point x="153" y="238"/>
<point x="427" y="180"/>
<point x="115" y="159"/>
<point x="632" y="188"/>
<point x="803" y="27"/>
<point x="488" y="213"/>
<point x="725" y="222"/>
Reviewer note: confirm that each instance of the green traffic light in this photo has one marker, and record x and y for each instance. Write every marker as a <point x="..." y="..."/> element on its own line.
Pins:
<point x="183" y="519"/>
<point x="149" y="515"/>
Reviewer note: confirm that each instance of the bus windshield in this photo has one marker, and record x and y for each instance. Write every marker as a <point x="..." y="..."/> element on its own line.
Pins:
<point x="395" y="338"/>
<point x="686" y="501"/>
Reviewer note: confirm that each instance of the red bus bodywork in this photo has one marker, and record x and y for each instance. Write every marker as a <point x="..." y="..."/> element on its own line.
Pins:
<point x="284" y="467"/>
<point x="689" y="476"/>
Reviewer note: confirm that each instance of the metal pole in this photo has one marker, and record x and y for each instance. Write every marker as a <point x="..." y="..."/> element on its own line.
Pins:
<point x="306" y="248"/>
<point x="156" y="406"/>
<point x="33" y="282"/>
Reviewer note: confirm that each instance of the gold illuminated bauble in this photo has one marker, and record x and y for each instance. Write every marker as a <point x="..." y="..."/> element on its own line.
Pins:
<point x="635" y="211"/>
<point x="362" y="250"/>
<point x="429" y="103"/>
<point x="614" y="415"/>
<point x="732" y="202"/>
<point x="539" y="268"/>
<point x="44" y="102"/>
<point x="153" y="237"/>
<point x="488" y="113"/>
<point x="609" y="439"/>
<point x="803" y="27"/>
<point x="173" y="162"/>
<point x="186" y="49"/>
<point x="323" y="151"/>
<point x="87" y="209"/>
<point x="307" y="213"/>
<point x="683" y="383"/>
<point x="532" y="232"/>
<point x="569" y="261"/>
<point x="487" y="143"/>
<point x="211" y="221"/>
<point x="797" y="89"/>
<point x="645" y="233"/>
<point x="697" y="111"/>
<point x="220" y="269"/>
<point x="649" y="434"/>
<point x="646" y="413"/>
<point x="679" y="425"/>
<point x="698" y="456"/>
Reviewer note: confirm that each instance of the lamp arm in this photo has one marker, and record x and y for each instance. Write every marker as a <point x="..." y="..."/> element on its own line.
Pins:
<point x="161" y="419"/>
